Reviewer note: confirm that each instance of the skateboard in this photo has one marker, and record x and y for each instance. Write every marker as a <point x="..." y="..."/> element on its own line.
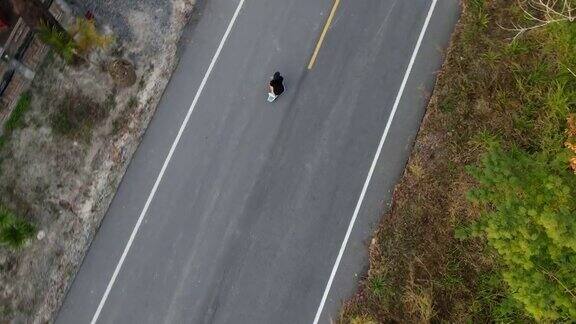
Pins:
<point x="271" y="97"/>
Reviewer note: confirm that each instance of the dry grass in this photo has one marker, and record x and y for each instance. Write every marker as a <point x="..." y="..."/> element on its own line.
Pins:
<point x="489" y="89"/>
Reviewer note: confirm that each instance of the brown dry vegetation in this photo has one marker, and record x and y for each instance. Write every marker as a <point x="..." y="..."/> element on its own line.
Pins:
<point x="489" y="88"/>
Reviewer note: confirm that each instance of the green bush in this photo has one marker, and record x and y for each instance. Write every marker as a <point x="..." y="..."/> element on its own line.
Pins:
<point x="526" y="188"/>
<point x="530" y="220"/>
<point x="14" y="232"/>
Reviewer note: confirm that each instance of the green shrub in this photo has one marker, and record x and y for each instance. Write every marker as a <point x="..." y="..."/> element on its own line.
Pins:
<point x="380" y="288"/>
<point x="16" y="118"/>
<point x="62" y="43"/>
<point x="14" y="232"/>
<point x="529" y="219"/>
<point x="526" y="192"/>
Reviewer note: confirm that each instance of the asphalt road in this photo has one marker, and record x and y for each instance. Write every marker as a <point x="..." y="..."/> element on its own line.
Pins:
<point x="251" y="211"/>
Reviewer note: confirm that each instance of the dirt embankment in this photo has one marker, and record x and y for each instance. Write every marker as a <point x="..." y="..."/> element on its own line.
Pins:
<point x="63" y="181"/>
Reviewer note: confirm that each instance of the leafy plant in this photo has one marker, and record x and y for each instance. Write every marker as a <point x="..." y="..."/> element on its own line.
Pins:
<point x="379" y="286"/>
<point x="14" y="232"/>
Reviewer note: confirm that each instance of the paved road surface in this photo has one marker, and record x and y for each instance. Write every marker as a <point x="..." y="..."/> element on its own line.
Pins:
<point x="252" y="209"/>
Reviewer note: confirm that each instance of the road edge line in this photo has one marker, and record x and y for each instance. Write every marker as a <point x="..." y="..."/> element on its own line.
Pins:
<point x="374" y="162"/>
<point x="165" y="165"/>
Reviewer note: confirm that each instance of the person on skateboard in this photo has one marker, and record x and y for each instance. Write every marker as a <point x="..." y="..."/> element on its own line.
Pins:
<point x="276" y="87"/>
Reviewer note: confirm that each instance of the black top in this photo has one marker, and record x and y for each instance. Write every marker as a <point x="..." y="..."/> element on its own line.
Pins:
<point x="277" y="85"/>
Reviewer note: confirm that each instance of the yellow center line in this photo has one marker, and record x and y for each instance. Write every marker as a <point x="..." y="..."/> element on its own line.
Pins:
<point x="324" y="31"/>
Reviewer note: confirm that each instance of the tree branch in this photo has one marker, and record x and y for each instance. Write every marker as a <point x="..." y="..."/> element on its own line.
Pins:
<point x="543" y="13"/>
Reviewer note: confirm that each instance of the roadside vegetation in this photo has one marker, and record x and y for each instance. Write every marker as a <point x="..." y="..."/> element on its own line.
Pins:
<point x="68" y="140"/>
<point x="483" y="223"/>
<point x="16" y="118"/>
<point x="74" y="46"/>
<point x="14" y="230"/>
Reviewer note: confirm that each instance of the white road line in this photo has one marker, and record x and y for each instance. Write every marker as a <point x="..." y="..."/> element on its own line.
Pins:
<point x="374" y="162"/>
<point x="165" y="165"/>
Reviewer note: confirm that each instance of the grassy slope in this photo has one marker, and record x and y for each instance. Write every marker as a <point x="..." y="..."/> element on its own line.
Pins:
<point x="489" y="88"/>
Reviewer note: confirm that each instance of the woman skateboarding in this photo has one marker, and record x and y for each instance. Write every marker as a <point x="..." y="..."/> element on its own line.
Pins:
<point x="275" y="87"/>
